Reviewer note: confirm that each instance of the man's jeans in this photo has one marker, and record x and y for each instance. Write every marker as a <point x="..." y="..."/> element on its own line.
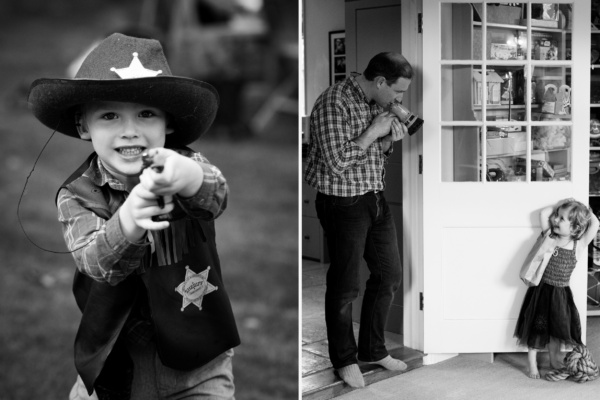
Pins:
<point x="358" y="227"/>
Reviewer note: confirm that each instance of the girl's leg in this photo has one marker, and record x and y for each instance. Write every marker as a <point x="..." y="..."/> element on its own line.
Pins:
<point x="554" y="353"/>
<point x="533" y="369"/>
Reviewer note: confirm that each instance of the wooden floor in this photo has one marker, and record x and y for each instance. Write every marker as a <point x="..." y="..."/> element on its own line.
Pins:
<point x="318" y="378"/>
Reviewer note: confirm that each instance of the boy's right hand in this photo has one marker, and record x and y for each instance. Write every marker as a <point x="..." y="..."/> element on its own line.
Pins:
<point x="137" y="211"/>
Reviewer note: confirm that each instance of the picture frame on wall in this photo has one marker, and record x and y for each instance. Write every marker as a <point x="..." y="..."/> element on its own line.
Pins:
<point x="545" y="15"/>
<point x="337" y="56"/>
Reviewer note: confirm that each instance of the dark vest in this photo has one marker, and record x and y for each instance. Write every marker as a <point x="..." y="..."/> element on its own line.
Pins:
<point x="191" y="313"/>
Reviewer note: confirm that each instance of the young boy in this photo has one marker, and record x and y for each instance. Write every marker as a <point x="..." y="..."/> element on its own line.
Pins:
<point x="157" y="322"/>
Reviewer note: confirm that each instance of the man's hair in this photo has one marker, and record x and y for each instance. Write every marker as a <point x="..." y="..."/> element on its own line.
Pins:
<point x="390" y="65"/>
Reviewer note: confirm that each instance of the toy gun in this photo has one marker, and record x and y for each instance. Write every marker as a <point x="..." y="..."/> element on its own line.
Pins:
<point x="148" y="162"/>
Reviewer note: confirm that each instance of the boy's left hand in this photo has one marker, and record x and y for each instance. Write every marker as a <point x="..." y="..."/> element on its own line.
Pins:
<point x="180" y="175"/>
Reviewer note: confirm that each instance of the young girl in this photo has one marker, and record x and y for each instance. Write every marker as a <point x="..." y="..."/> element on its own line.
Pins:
<point x="548" y="315"/>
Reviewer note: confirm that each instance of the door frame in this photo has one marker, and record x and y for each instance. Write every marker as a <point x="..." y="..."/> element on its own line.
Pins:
<point x="412" y="182"/>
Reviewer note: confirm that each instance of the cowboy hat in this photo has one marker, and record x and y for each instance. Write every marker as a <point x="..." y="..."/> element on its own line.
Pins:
<point x="133" y="70"/>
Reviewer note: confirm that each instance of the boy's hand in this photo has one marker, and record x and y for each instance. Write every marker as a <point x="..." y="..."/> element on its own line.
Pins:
<point x="180" y="175"/>
<point x="137" y="211"/>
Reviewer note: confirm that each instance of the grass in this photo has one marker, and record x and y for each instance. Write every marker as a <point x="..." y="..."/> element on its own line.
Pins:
<point x="257" y="236"/>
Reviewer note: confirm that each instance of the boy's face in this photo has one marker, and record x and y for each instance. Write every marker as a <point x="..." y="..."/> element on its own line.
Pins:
<point x="120" y="132"/>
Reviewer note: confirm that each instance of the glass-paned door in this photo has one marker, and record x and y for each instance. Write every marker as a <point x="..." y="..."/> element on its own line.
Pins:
<point x="506" y="135"/>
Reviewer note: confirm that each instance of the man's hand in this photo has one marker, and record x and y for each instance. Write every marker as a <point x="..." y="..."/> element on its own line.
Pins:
<point x="399" y="131"/>
<point x="382" y="124"/>
<point x="380" y="127"/>
<point x="180" y="175"/>
<point x="137" y="211"/>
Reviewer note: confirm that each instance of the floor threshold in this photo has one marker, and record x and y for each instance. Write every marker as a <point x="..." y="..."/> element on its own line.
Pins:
<point x="325" y="384"/>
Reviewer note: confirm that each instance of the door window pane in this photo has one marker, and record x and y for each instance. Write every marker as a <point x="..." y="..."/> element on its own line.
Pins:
<point x="507" y="91"/>
<point x="506" y="148"/>
<point x="551" y="151"/>
<point x="502" y="43"/>
<point x="552" y="95"/>
<point x="457" y="29"/>
<point x="460" y="154"/>
<point x="458" y="92"/>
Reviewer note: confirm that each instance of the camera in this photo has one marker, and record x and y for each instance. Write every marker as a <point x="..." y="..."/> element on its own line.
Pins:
<point x="412" y="121"/>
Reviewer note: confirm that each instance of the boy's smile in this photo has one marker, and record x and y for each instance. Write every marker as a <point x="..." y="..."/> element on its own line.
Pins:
<point x="130" y="151"/>
<point x="120" y="132"/>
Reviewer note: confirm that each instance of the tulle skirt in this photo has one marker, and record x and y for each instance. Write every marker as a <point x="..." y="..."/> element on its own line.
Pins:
<point x="548" y="311"/>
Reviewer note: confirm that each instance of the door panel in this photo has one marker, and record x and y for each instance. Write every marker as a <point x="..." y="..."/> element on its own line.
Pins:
<point x="483" y="267"/>
<point x="372" y="26"/>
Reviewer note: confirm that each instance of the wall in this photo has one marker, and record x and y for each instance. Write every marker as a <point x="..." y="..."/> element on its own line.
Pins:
<point x="320" y="18"/>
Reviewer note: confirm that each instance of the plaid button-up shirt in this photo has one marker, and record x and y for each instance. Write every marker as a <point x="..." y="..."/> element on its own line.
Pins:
<point x="338" y="166"/>
<point x="101" y="250"/>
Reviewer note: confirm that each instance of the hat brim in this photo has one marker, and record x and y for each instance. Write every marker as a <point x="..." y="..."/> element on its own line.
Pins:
<point x="193" y="104"/>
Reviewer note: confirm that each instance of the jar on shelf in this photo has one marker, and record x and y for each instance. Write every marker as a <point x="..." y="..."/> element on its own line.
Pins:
<point x="549" y="99"/>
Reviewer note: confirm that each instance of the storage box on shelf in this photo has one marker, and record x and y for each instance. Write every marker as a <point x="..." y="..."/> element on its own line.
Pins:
<point x="506" y="146"/>
<point x="501" y="14"/>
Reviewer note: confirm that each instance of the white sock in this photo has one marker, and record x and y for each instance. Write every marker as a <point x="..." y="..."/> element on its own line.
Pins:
<point x="352" y="376"/>
<point x="390" y="363"/>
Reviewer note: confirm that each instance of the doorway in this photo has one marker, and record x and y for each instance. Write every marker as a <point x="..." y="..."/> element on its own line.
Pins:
<point x="373" y="27"/>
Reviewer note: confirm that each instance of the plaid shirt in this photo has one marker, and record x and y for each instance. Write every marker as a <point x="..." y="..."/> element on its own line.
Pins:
<point x="338" y="166"/>
<point x="107" y="255"/>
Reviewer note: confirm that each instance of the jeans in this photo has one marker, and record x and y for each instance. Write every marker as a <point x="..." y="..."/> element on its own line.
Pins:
<point x="152" y="380"/>
<point x="358" y="227"/>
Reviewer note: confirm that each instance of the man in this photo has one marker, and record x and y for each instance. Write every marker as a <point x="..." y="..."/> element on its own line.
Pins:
<point x="352" y="136"/>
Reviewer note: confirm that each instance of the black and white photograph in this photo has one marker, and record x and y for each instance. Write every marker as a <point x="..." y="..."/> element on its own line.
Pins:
<point x="150" y="232"/>
<point x="337" y="56"/>
<point x="300" y="200"/>
<point x="450" y="197"/>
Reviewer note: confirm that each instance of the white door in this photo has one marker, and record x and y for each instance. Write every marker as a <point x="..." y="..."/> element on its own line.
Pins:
<point x="489" y="154"/>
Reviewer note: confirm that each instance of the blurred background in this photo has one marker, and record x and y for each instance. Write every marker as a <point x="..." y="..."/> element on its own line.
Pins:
<point x="248" y="50"/>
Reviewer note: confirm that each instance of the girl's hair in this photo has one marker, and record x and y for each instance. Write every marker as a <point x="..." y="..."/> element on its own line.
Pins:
<point x="579" y="215"/>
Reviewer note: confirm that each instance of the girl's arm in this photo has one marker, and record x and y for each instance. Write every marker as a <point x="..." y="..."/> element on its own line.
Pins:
<point x="545" y="218"/>
<point x="591" y="232"/>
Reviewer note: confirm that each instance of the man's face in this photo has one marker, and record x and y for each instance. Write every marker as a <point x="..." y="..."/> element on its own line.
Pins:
<point x="386" y="94"/>
<point x="120" y="132"/>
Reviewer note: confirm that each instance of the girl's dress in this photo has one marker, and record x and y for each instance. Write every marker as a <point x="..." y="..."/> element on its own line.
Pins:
<point x="548" y="309"/>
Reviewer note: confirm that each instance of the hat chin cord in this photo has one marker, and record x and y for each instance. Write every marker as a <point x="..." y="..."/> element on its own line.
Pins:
<point x="21" y="198"/>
